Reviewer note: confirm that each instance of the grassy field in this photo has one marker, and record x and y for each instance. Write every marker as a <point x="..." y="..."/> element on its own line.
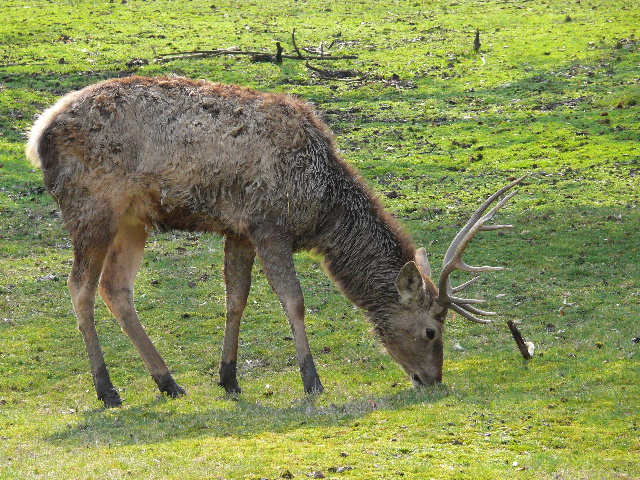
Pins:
<point x="434" y="127"/>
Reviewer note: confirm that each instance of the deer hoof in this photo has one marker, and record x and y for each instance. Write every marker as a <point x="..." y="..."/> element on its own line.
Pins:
<point x="314" y="388"/>
<point x="232" y="389"/>
<point x="174" y="391"/>
<point x="310" y="378"/>
<point x="169" y="386"/>
<point x="228" y="378"/>
<point x="111" y="399"/>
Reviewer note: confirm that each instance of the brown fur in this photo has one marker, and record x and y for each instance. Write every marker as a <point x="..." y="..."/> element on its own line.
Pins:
<point x="127" y="155"/>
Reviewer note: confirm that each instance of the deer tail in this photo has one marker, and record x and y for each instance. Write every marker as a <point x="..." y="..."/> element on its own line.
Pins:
<point x="32" y="150"/>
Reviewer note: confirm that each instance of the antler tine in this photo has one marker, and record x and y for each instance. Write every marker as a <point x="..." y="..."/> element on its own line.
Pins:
<point x="465" y="284"/>
<point x="468" y="315"/>
<point x="463" y="301"/>
<point x="453" y="258"/>
<point x="477" y="311"/>
<point x="460" y="243"/>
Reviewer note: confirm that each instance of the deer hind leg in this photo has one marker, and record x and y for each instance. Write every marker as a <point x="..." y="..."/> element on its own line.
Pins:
<point x="89" y="255"/>
<point x="116" y="288"/>
<point x="276" y="256"/>
<point x="239" y="255"/>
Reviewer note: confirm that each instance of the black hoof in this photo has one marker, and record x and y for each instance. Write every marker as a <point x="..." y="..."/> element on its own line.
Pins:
<point x="228" y="378"/>
<point x="314" y="389"/>
<point x="231" y="388"/>
<point x="111" y="399"/>
<point x="310" y="378"/>
<point x="169" y="386"/>
<point x="174" y="391"/>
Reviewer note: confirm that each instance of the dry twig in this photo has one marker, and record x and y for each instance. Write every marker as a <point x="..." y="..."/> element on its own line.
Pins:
<point x="526" y="348"/>
<point x="276" y="57"/>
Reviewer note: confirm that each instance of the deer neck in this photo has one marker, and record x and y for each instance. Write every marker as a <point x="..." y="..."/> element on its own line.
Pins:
<point x="364" y="250"/>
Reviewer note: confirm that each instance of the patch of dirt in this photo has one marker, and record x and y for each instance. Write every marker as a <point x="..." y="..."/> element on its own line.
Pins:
<point x="570" y="103"/>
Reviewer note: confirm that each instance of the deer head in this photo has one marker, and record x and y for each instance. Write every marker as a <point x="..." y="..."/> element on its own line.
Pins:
<point x="415" y="341"/>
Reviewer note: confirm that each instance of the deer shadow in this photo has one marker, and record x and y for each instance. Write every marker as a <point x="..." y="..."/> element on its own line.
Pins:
<point x="238" y="417"/>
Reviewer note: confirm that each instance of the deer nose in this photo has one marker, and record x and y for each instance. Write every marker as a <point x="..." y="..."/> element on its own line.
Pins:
<point x="420" y="381"/>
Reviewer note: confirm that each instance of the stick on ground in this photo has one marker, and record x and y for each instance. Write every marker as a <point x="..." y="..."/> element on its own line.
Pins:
<point x="526" y="348"/>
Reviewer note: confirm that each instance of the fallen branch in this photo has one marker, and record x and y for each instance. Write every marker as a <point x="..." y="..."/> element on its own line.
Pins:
<point x="526" y="348"/>
<point x="167" y="57"/>
<point x="295" y="46"/>
<point x="260" y="56"/>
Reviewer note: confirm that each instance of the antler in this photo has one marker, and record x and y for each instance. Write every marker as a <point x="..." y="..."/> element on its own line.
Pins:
<point x="453" y="257"/>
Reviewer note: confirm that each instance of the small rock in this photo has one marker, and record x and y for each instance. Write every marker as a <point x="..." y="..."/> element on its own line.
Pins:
<point x="48" y="277"/>
<point x="137" y="62"/>
<point x="340" y="469"/>
<point x="459" y="347"/>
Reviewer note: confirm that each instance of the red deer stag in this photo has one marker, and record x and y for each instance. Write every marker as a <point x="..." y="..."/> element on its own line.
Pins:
<point x="127" y="155"/>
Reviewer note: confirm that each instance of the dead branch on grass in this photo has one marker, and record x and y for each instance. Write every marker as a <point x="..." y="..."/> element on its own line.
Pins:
<point x="526" y="348"/>
<point x="258" y="56"/>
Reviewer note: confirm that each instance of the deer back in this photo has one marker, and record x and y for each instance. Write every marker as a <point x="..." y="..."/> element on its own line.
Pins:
<point x="190" y="154"/>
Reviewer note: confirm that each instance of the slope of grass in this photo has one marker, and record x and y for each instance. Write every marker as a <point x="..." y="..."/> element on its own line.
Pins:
<point x="433" y="127"/>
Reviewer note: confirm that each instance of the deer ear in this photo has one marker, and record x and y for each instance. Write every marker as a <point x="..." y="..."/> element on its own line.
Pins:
<point x="409" y="283"/>
<point x="423" y="262"/>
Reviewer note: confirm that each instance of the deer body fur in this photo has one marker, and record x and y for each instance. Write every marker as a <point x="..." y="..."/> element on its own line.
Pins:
<point x="125" y="156"/>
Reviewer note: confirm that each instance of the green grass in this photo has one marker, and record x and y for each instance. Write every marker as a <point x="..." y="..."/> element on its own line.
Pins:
<point x="433" y="127"/>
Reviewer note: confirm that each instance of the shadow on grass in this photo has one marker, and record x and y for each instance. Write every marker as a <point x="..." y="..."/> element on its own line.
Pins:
<point x="233" y="417"/>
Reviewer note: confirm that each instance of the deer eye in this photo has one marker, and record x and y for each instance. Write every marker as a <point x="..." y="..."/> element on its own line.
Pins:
<point x="431" y="333"/>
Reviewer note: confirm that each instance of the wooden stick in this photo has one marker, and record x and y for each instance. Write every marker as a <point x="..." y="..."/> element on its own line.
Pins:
<point x="517" y="336"/>
<point x="165" y="57"/>
<point x="295" y="46"/>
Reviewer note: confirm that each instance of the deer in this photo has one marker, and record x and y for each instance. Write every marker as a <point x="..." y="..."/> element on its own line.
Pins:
<point x="129" y="155"/>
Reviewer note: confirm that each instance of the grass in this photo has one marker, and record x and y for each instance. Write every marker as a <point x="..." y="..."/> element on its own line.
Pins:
<point x="433" y="127"/>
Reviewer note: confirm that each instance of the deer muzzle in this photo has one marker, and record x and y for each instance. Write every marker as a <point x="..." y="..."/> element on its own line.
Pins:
<point x="423" y="379"/>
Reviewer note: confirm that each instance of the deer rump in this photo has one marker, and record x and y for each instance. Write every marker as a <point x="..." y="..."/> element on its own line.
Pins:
<point x="124" y="156"/>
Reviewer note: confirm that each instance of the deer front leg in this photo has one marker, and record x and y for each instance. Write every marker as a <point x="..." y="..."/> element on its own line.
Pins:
<point x="276" y="256"/>
<point x="239" y="255"/>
